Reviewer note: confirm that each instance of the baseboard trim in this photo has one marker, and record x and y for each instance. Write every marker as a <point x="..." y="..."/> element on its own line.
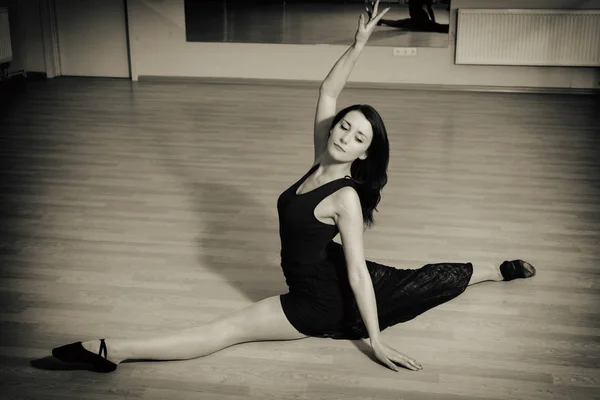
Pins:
<point x="364" y="85"/>
<point x="36" y="76"/>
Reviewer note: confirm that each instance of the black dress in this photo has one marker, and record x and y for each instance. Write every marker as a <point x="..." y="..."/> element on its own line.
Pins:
<point x="320" y="301"/>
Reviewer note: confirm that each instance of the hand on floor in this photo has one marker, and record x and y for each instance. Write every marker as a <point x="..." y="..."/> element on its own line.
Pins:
<point x="390" y="357"/>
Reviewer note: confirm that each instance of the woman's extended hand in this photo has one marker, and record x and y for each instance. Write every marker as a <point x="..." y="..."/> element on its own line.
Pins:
<point x="388" y="356"/>
<point x="365" y="28"/>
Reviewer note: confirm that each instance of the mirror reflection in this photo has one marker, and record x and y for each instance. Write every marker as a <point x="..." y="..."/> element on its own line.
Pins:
<point x="409" y="23"/>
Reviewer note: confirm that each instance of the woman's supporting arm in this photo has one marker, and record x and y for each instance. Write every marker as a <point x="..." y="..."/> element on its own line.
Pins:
<point x="362" y="287"/>
<point x="350" y="224"/>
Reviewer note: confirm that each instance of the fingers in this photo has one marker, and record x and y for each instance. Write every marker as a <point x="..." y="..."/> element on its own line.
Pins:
<point x="380" y="15"/>
<point x="412" y="364"/>
<point x="404" y="360"/>
<point x="390" y="357"/>
<point x="362" y="24"/>
<point x="407" y="363"/>
<point x="375" y="19"/>
<point x="391" y="365"/>
<point x="384" y="359"/>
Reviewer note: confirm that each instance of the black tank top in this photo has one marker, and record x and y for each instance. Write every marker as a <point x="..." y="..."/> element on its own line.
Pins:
<point x="304" y="239"/>
<point x="314" y="266"/>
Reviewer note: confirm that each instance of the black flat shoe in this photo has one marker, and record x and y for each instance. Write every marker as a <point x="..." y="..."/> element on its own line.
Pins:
<point x="516" y="269"/>
<point x="75" y="352"/>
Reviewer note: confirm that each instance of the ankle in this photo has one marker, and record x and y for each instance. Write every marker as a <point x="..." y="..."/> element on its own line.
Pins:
<point x="112" y="351"/>
<point x="115" y="354"/>
<point x="497" y="273"/>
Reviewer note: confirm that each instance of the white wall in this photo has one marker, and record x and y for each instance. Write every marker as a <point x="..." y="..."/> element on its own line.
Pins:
<point x="159" y="48"/>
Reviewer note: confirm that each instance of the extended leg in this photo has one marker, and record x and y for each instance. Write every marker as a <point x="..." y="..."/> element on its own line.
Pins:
<point x="429" y="26"/>
<point x="507" y="271"/>
<point x="482" y="273"/>
<point x="262" y="321"/>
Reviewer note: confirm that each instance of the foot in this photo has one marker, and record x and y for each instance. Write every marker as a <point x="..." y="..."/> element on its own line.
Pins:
<point x="93" y="352"/>
<point x="94" y="347"/>
<point x="516" y="269"/>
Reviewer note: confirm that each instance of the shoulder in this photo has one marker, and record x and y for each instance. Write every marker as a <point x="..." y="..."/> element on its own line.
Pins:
<point x="349" y="217"/>
<point x="348" y="202"/>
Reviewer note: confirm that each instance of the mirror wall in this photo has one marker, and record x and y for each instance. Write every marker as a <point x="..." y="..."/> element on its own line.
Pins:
<point x="409" y="23"/>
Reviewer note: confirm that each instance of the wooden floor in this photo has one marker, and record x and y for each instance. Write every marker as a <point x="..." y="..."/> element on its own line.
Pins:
<point x="134" y="208"/>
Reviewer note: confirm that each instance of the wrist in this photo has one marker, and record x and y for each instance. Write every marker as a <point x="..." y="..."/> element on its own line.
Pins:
<point x="375" y="340"/>
<point x="358" y="45"/>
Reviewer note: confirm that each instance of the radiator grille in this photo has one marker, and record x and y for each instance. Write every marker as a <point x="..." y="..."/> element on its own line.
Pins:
<point x="528" y="37"/>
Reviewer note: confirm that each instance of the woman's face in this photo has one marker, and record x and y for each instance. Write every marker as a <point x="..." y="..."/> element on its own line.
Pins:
<point x="353" y="134"/>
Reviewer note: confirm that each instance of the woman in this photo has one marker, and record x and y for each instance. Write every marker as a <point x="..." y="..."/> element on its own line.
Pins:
<point x="334" y="292"/>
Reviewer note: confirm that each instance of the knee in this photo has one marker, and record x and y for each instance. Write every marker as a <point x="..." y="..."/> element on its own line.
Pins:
<point x="229" y="330"/>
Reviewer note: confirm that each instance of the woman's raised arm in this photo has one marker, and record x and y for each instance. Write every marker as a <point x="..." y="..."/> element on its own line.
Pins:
<point x="335" y="81"/>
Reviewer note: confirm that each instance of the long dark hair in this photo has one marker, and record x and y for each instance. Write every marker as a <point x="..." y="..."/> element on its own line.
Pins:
<point x="369" y="175"/>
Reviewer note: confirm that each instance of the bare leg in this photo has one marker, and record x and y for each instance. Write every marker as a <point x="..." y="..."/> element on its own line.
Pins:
<point x="482" y="273"/>
<point x="262" y="321"/>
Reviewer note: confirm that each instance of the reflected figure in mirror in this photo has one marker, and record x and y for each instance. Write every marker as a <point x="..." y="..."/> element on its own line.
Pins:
<point x="419" y="21"/>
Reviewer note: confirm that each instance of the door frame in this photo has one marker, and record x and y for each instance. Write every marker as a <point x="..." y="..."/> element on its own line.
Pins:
<point x="52" y="46"/>
<point x="50" y="38"/>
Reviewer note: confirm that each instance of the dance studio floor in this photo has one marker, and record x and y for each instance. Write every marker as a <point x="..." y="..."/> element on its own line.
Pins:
<point x="131" y="208"/>
<point x="307" y="23"/>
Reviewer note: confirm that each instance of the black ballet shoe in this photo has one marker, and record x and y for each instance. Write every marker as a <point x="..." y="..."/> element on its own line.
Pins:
<point x="75" y="352"/>
<point x="516" y="269"/>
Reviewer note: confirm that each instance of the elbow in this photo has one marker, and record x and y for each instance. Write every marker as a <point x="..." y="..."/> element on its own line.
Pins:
<point x="326" y="90"/>
<point x="357" y="277"/>
<point x="354" y="280"/>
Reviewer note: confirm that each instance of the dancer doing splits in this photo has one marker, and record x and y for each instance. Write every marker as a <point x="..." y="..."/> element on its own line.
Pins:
<point x="333" y="291"/>
<point x="419" y="21"/>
